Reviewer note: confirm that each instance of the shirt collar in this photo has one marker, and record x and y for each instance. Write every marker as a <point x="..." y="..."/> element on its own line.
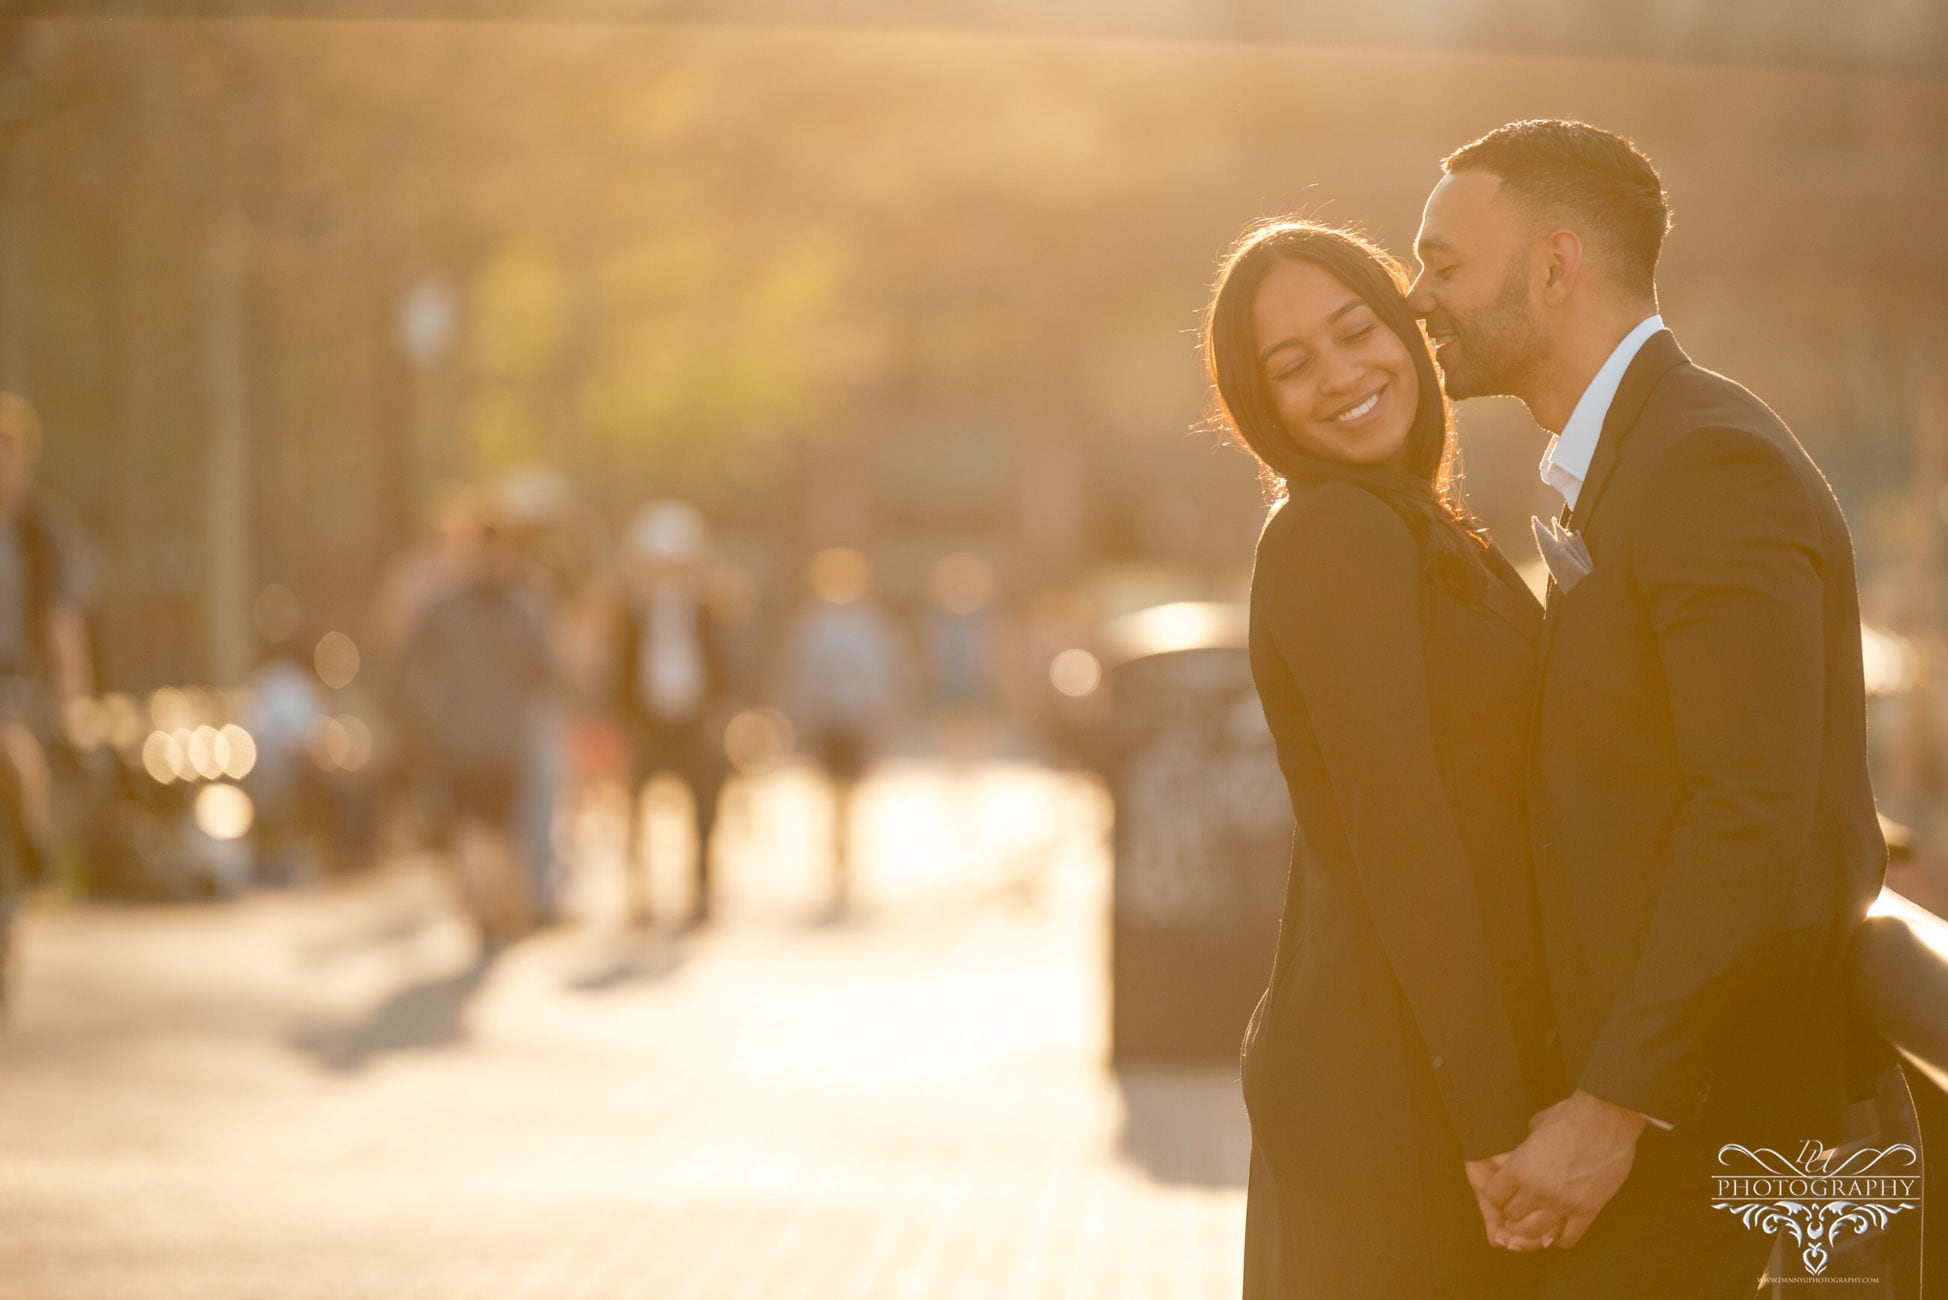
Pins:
<point x="1567" y="461"/>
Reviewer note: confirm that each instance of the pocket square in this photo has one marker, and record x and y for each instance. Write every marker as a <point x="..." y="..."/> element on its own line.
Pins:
<point x="1563" y="551"/>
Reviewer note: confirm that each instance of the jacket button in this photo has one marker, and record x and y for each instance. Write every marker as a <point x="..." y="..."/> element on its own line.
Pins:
<point x="1438" y="1062"/>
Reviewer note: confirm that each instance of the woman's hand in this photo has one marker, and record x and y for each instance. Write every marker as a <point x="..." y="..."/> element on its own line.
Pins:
<point x="1480" y="1174"/>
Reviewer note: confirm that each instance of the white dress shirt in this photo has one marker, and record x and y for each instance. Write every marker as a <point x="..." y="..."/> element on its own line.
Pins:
<point x="670" y="674"/>
<point x="1567" y="462"/>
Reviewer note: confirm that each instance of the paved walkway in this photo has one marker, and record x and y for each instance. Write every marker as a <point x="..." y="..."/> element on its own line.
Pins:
<point x="324" y="1093"/>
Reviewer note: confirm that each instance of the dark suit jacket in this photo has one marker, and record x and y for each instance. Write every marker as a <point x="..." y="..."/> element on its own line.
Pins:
<point x="1704" y="830"/>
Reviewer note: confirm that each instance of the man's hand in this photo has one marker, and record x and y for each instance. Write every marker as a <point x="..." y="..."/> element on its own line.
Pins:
<point x="1577" y="1154"/>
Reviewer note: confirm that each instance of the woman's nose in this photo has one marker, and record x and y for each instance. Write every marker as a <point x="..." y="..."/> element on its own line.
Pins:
<point x="1338" y="373"/>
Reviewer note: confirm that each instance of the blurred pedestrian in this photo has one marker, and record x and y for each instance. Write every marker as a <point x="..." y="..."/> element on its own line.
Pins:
<point x="284" y="705"/>
<point x="537" y="506"/>
<point x="44" y="652"/>
<point x="846" y="667"/>
<point x="671" y="686"/>
<point x="476" y="667"/>
<point x="963" y="654"/>
<point x="443" y="559"/>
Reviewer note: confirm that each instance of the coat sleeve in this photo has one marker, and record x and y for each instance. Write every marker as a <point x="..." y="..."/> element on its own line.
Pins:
<point x="1339" y="583"/>
<point x="1729" y="570"/>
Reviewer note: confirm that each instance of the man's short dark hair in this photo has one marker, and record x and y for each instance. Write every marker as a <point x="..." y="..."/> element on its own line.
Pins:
<point x="1557" y="167"/>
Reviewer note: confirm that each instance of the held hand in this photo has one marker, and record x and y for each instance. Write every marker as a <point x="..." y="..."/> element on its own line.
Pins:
<point x="1480" y="1174"/>
<point x="1577" y="1154"/>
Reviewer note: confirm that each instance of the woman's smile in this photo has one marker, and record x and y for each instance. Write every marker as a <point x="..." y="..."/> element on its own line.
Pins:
<point x="1365" y="411"/>
<point x="1342" y="384"/>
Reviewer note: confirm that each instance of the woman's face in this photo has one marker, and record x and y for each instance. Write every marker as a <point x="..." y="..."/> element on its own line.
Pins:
<point x="1342" y="383"/>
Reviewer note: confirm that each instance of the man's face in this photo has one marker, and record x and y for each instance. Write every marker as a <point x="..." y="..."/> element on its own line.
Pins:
<point x="1473" y="287"/>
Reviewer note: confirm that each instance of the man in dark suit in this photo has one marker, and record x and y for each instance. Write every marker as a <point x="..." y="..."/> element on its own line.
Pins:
<point x="1703" y="829"/>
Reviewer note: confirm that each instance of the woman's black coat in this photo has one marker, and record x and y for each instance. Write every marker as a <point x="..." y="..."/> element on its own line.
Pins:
<point x="1405" y="1028"/>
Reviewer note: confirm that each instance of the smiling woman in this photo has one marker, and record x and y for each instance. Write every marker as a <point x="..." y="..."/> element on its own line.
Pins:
<point x="1341" y="384"/>
<point x="1403" y="1038"/>
<point x="1309" y="322"/>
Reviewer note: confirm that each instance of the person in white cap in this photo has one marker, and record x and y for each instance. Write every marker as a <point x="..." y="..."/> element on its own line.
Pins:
<point x="671" y="683"/>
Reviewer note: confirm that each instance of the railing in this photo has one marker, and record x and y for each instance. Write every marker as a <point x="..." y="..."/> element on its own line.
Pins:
<point x="1900" y="980"/>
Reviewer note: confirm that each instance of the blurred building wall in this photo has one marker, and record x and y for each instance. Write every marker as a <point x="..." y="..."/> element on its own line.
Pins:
<point x="918" y="291"/>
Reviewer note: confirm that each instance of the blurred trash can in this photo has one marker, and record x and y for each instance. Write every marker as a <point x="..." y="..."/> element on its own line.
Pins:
<point x="1203" y="833"/>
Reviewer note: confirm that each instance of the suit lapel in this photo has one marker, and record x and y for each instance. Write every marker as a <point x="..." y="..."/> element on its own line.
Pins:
<point x="1653" y="361"/>
<point x="1659" y="355"/>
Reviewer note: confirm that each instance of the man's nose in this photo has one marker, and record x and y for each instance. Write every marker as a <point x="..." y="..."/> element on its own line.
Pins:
<point x="1419" y="300"/>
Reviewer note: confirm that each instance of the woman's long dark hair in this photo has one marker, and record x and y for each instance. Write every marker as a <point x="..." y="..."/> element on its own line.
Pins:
<point x="1425" y="490"/>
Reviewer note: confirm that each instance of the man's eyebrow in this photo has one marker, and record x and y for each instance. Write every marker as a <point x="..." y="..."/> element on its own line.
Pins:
<point x="1349" y="305"/>
<point x="1430" y="244"/>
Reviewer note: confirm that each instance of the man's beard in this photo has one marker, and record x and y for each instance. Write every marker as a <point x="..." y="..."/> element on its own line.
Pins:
<point x="1494" y="346"/>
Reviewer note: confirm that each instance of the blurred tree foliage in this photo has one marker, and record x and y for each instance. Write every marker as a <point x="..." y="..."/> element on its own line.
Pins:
<point x="671" y="261"/>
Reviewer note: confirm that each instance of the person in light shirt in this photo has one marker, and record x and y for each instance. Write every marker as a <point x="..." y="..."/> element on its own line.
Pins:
<point x="671" y="685"/>
<point x="848" y="671"/>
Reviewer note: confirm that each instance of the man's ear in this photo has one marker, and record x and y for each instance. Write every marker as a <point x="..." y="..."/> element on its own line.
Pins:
<point x="1561" y="254"/>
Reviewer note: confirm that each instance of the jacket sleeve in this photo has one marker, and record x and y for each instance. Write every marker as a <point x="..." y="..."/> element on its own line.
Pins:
<point x="1729" y="573"/>
<point x="1339" y="584"/>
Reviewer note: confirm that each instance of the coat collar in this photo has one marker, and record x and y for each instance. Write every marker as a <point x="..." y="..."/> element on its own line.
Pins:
<point x="1657" y="358"/>
<point x="1508" y="597"/>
